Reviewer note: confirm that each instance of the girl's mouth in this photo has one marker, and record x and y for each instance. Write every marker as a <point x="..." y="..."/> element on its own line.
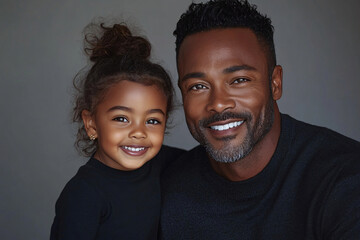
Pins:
<point x="134" y="150"/>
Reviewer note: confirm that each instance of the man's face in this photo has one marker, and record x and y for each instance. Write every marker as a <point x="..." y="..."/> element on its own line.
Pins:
<point x="224" y="80"/>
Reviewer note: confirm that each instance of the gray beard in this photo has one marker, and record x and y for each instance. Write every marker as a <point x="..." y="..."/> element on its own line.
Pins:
<point x="229" y="153"/>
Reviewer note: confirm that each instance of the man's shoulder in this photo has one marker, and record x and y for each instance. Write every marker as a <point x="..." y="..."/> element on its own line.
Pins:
<point x="320" y="137"/>
<point x="322" y="146"/>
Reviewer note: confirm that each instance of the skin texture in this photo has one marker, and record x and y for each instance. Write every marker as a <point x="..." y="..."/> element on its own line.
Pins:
<point x="130" y="115"/>
<point x="224" y="78"/>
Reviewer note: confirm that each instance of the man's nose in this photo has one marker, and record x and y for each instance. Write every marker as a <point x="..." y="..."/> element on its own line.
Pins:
<point x="220" y="101"/>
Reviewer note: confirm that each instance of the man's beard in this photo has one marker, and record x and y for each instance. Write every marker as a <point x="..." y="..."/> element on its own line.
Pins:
<point x="255" y="132"/>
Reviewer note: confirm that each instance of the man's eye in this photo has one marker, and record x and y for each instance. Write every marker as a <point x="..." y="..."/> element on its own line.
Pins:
<point x="120" y="119"/>
<point x="197" y="87"/>
<point x="153" y="121"/>
<point x="240" y="80"/>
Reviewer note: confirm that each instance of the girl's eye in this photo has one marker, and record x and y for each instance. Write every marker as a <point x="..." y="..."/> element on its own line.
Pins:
<point x="153" y="121"/>
<point x="120" y="119"/>
<point x="197" y="87"/>
<point x="240" y="80"/>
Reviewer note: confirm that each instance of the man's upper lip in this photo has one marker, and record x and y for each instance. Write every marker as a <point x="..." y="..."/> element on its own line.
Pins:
<point x="224" y="122"/>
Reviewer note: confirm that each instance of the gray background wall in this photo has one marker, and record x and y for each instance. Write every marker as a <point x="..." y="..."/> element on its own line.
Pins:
<point x="317" y="43"/>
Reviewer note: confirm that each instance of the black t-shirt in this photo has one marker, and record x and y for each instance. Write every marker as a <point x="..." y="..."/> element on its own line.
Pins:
<point x="309" y="190"/>
<point x="100" y="202"/>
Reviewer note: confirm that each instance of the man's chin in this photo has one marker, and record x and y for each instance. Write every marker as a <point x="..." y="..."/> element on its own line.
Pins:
<point x="227" y="149"/>
<point x="228" y="153"/>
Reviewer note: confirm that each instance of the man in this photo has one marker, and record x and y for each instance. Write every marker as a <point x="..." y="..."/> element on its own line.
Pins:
<point x="257" y="174"/>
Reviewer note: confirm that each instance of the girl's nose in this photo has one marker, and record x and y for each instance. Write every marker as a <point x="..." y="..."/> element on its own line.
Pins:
<point x="138" y="132"/>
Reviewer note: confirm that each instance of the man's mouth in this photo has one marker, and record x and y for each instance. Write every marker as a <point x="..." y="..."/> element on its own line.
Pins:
<point x="226" y="126"/>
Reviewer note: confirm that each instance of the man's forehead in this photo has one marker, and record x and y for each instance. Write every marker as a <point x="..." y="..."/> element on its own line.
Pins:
<point x="223" y="47"/>
<point x="218" y="35"/>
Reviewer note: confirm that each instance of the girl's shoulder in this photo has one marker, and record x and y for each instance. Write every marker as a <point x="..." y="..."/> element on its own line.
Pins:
<point x="79" y="204"/>
<point x="80" y="187"/>
<point x="168" y="154"/>
<point x="171" y="152"/>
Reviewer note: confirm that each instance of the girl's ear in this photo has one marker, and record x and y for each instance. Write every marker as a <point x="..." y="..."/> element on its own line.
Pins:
<point x="89" y="124"/>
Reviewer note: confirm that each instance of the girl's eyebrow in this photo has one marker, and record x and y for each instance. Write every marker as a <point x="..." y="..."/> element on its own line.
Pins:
<point x="127" y="109"/>
<point x="123" y="108"/>
<point x="156" y="110"/>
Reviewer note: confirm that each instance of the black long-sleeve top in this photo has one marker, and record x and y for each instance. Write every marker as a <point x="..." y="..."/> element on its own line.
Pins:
<point x="100" y="202"/>
<point x="309" y="190"/>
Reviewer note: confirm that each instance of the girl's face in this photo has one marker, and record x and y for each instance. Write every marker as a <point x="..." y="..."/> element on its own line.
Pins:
<point x="129" y="124"/>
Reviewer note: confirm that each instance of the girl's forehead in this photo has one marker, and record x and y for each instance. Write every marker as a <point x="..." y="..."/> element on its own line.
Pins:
<point x="134" y="95"/>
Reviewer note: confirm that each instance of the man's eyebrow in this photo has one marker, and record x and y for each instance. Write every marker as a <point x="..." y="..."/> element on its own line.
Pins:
<point x="238" y="68"/>
<point x="226" y="70"/>
<point x="192" y="75"/>
<point x="123" y="108"/>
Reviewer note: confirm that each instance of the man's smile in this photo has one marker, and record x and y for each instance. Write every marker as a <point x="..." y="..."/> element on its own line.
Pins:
<point x="226" y="126"/>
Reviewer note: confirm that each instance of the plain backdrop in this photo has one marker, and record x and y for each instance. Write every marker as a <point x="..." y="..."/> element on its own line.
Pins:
<point x="317" y="43"/>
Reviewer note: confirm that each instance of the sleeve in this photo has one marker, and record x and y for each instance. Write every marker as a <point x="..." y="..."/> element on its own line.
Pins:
<point x="342" y="208"/>
<point x="78" y="212"/>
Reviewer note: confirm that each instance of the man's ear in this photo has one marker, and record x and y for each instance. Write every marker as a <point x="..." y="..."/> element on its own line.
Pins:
<point x="276" y="82"/>
<point x="89" y="124"/>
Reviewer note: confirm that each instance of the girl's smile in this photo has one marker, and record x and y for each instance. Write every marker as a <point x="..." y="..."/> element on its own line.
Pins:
<point x="134" y="150"/>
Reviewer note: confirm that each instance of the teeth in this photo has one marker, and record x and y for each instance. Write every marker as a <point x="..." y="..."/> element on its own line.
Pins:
<point x="226" y="126"/>
<point x="134" y="149"/>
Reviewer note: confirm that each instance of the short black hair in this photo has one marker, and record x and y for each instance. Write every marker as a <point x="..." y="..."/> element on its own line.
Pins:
<point x="217" y="14"/>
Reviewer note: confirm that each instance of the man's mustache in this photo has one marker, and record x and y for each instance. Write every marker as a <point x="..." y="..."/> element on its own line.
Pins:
<point x="246" y="116"/>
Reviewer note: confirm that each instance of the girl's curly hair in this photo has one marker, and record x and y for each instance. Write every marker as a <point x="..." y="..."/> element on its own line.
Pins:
<point x="115" y="55"/>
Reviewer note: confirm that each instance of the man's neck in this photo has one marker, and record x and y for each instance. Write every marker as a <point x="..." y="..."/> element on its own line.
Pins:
<point x="257" y="159"/>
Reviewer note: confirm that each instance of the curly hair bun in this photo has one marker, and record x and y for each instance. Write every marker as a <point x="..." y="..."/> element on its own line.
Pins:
<point x="116" y="41"/>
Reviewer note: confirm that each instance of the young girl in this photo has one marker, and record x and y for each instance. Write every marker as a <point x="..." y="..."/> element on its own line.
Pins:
<point x="121" y="108"/>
